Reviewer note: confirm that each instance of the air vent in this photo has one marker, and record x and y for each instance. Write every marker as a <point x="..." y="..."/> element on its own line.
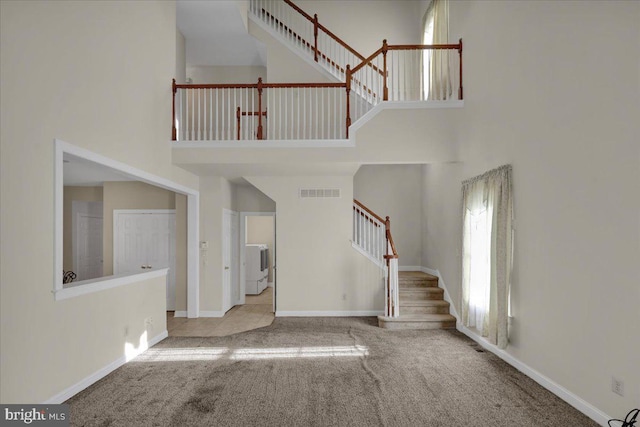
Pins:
<point x="319" y="193"/>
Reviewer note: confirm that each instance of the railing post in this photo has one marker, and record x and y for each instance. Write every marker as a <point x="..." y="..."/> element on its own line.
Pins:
<point x="315" y="37"/>
<point x="385" y="90"/>
<point x="259" y="108"/>
<point x="238" y="114"/>
<point x="460" y="88"/>
<point x="173" y="109"/>
<point x="348" y="86"/>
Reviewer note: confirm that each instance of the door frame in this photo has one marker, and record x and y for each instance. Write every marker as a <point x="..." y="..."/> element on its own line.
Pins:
<point x="243" y="240"/>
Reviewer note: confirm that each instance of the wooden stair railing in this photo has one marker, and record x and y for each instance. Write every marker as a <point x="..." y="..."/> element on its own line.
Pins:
<point x="337" y="53"/>
<point x="209" y="112"/>
<point x="372" y="235"/>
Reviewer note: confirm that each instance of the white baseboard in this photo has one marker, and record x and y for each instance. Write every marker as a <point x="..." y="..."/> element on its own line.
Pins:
<point x="211" y="313"/>
<point x="102" y="372"/>
<point x="555" y="388"/>
<point x="360" y="313"/>
<point x="180" y="313"/>
<point x="447" y="297"/>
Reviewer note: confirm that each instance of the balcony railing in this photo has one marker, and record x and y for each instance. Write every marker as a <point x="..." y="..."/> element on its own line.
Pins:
<point x="261" y="111"/>
<point x="315" y="111"/>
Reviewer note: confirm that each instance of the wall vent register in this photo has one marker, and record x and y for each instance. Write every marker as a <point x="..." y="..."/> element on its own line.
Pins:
<point x="319" y="193"/>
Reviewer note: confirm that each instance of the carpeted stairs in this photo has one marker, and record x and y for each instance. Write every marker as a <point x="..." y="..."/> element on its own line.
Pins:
<point x="422" y="304"/>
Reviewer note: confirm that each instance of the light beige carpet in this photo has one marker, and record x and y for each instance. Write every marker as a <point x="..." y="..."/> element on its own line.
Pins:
<point x="321" y="372"/>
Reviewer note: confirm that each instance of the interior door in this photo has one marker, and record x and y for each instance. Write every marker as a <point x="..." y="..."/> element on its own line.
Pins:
<point x="161" y="233"/>
<point x="227" y="220"/>
<point x="144" y="240"/>
<point x="87" y="239"/>
<point x="235" y="258"/>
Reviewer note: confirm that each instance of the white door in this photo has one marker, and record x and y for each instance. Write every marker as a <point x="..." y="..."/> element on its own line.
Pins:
<point x="87" y="239"/>
<point x="235" y="258"/>
<point x="144" y="240"/>
<point x="230" y="248"/>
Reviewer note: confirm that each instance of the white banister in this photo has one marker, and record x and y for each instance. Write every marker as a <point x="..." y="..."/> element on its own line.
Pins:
<point x="392" y="291"/>
<point x="372" y="238"/>
<point x="289" y="112"/>
<point x="369" y="234"/>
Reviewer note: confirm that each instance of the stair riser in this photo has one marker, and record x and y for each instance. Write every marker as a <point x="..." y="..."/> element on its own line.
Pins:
<point x="417" y="325"/>
<point x="418" y="284"/>
<point x="424" y="310"/>
<point x="420" y="296"/>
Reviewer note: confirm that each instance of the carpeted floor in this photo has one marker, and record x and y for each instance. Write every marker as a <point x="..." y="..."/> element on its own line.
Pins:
<point x="320" y="372"/>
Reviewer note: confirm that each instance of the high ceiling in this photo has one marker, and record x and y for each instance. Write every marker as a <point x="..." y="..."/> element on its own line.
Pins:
<point x="215" y="34"/>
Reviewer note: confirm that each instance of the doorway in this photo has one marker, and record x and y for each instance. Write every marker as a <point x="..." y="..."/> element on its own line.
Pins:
<point x="259" y="228"/>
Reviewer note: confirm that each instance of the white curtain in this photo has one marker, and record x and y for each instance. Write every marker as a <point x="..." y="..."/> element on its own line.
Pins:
<point x="436" y="62"/>
<point x="487" y="247"/>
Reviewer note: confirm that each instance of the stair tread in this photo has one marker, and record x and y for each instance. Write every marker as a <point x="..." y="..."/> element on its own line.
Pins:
<point x="424" y="302"/>
<point x="422" y="290"/>
<point x="420" y="318"/>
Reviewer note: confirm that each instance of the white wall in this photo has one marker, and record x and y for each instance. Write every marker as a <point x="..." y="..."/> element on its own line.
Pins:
<point x="205" y="74"/>
<point x="553" y="89"/>
<point x="250" y="199"/>
<point x="283" y="65"/>
<point x="181" y="58"/>
<point x="395" y="191"/>
<point x="318" y="270"/>
<point x="97" y="75"/>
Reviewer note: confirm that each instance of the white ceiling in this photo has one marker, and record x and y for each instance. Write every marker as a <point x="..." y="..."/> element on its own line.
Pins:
<point x="215" y="34"/>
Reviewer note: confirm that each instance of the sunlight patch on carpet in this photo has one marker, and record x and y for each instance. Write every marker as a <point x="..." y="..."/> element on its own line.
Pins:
<point x="295" y="352"/>
<point x="216" y="353"/>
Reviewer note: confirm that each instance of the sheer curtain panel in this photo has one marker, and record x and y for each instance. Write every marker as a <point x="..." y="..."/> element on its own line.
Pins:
<point x="487" y="247"/>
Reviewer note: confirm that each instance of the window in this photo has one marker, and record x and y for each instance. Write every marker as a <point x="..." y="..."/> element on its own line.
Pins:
<point x="486" y="247"/>
<point x="436" y="72"/>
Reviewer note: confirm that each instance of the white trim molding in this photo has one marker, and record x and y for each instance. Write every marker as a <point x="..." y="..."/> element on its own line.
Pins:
<point x="364" y="253"/>
<point x="555" y="388"/>
<point x="447" y="297"/>
<point x="213" y="313"/>
<point x="355" y="313"/>
<point x="103" y="283"/>
<point x="102" y="372"/>
<point x="193" y="276"/>
<point x="180" y="313"/>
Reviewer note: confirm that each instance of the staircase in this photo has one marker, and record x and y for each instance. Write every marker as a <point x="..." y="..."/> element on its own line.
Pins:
<point x="422" y="304"/>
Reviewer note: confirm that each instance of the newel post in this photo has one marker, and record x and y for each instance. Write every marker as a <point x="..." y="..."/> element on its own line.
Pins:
<point x="315" y="37"/>
<point x="259" y="108"/>
<point x="348" y="86"/>
<point x="387" y="230"/>
<point x="460" y="53"/>
<point x="385" y="90"/>
<point x="173" y="111"/>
